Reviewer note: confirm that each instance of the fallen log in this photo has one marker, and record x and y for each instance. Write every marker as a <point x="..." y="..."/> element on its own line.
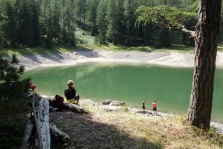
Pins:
<point x="73" y="107"/>
<point x="40" y="109"/>
<point x="37" y="126"/>
<point x="59" y="137"/>
<point x="27" y="135"/>
<point x="43" y="120"/>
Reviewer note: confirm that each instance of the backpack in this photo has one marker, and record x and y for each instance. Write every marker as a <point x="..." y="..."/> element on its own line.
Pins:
<point x="58" y="100"/>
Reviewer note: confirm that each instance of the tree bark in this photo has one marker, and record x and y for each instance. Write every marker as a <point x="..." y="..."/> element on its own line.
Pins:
<point x="27" y="135"/>
<point x="43" y="121"/>
<point x="206" y="41"/>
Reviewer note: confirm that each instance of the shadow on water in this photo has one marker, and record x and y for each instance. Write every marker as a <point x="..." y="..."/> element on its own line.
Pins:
<point x="90" y="134"/>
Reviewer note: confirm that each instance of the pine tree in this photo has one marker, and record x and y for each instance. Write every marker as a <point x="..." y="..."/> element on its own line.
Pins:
<point x="115" y="19"/>
<point x="111" y="18"/>
<point x="24" y="17"/>
<point x="162" y="38"/>
<point x="91" y="13"/>
<point x="101" y="21"/>
<point x="68" y="29"/>
<point x="80" y="11"/>
<point x="35" y="23"/>
<point x="56" y="21"/>
<point x="9" y="28"/>
<point x="11" y="87"/>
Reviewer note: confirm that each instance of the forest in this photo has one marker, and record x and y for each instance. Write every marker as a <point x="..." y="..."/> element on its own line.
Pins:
<point x="48" y="22"/>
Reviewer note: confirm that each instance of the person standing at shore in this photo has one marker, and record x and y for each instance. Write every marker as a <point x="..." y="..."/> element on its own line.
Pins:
<point x="143" y="105"/>
<point x="154" y="107"/>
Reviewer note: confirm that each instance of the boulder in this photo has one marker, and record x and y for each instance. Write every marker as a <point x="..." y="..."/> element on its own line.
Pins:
<point x="108" y="108"/>
<point x="117" y="103"/>
<point x="87" y="102"/>
<point x="106" y="102"/>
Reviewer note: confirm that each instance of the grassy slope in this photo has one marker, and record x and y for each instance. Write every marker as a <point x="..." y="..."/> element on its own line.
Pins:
<point x="85" y="41"/>
<point x="121" y="129"/>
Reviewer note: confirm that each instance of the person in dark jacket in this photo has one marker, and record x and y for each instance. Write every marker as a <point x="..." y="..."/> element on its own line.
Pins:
<point x="143" y="105"/>
<point x="70" y="93"/>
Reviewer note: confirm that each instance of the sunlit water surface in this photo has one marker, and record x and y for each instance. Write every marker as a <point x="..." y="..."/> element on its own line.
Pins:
<point x="169" y="86"/>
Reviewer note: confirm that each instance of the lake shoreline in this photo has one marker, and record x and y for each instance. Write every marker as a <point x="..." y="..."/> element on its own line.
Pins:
<point x="165" y="58"/>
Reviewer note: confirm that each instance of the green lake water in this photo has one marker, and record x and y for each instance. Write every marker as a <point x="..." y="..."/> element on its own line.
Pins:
<point x="169" y="86"/>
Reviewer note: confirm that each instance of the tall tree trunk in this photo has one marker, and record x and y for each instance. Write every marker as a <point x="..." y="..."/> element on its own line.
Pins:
<point x="206" y="41"/>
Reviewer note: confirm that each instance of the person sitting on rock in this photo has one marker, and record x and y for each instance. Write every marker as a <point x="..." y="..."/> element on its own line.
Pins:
<point x="70" y="93"/>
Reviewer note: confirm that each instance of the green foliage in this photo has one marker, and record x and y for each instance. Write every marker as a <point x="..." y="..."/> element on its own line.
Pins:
<point x="30" y="23"/>
<point x="11" y="130"/>
<point x="194" y="6"/>
<point x="166" y="16"/>
<point x="171" y="18"/>
<point x="121" y="22"/>
<point x="115" y="19"/>
<point x="12" y="102"/>
<point x="11" y="88"/>
<point x="162" y="38"/>
<point x="91" y="13"/>
<point x="101" y="21"/>
<point x="80" y="10"/>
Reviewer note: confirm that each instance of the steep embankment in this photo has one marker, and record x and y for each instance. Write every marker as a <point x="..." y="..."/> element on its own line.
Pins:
<point x="174" y="59"/>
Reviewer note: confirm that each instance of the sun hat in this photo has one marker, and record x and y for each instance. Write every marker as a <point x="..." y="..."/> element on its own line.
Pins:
<point x="70" y="82"/>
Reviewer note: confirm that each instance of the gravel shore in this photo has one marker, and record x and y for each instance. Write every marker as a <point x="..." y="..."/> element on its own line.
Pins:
<point x="172" y="59"/>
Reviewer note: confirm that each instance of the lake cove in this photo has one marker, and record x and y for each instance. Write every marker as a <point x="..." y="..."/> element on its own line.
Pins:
<point x="131" y="83"/>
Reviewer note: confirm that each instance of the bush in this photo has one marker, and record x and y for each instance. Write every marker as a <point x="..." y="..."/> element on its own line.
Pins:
<point x="12" y="103"/>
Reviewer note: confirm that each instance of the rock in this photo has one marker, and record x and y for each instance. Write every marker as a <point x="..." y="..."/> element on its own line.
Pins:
<point x="108" y="108"/>
<point x="106" y="102"/>
<point x="116" y="103"/>
<point x="218" y="127"/>
<point x="88" y="102"/>
<point x="144" y="112"/>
